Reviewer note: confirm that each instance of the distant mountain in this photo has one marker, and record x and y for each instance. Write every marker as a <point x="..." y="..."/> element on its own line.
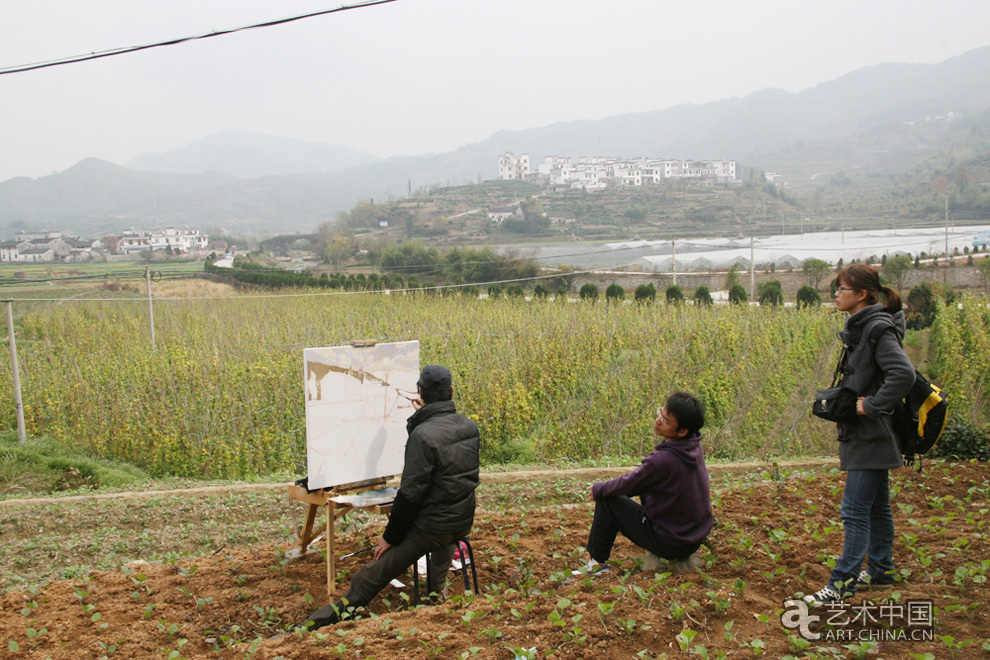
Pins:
<point x="96" y="198"/>
<point x="896" y="110"/>
<point x="252" y="155"/>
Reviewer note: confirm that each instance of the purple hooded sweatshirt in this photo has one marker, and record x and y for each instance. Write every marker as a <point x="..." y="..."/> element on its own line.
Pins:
<point x="673" y="483"/>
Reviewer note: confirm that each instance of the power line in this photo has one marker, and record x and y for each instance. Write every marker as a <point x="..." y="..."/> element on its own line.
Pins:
<point x="20" y="68"/>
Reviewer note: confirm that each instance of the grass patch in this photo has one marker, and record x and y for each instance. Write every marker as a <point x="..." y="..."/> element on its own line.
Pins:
<point x="40" y="465"/>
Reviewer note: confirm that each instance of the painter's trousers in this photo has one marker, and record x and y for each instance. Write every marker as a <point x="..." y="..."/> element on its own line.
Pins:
<point x="374" y="576"/>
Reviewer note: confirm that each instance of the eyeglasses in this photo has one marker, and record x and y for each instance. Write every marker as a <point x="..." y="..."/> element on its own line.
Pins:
<point x="843" y="288"/>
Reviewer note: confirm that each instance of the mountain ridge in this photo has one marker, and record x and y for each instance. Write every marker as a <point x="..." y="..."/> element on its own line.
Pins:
<point x="872" y="102"/>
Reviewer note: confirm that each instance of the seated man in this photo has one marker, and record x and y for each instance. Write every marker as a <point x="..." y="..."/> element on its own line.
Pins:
<point x="672" y="482"/>
<point x="434" y="507"/>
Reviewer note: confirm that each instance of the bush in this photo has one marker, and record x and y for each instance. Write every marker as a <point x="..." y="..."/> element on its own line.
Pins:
<point x="737" y="294"/>
<point x="589" y="292"/>
<point x="645" y="293"/>
<point x="807" y="296"/>
<point x="770" y="293"/>
<point x="495" y="291"/>
<point x="962" y="440"/>
<point x="541" y="291"/>
<point x="615" y="293"/>
<point x="702" y="296"/>
<point x="516" y="291"/>
<point x="674" y="295"/>
<point x="922" y="303"/>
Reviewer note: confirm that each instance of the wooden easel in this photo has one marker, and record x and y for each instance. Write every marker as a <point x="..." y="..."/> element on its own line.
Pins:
<point x="336" y="500"/>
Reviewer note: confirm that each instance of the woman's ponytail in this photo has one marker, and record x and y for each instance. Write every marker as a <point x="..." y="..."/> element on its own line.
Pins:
<point x="893" y="299"/>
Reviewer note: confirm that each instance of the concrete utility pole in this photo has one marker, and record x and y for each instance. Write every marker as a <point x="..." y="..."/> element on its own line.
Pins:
<point x="752" y="271"/>
<point x="673" y="258"/>
<point x="15" y="373"/>
<point x="946" y="226"/>
<point x="151" y="307"/>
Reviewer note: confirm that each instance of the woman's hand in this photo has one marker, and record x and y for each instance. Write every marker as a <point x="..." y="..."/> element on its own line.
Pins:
<point x="859" y="406"/>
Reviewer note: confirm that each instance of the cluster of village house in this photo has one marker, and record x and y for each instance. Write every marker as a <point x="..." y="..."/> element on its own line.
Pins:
<point x="32" y="247"/>
<point x="600" y="172"/>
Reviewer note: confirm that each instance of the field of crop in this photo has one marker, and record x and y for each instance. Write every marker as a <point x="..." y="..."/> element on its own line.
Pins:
<point x="221" y="393"/>
<point x="961" y="361"/>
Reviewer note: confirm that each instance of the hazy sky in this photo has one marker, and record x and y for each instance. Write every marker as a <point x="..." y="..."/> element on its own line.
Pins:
<point x="421" y="76"/>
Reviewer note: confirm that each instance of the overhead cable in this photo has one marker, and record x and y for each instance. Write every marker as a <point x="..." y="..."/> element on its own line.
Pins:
<point x="20" y="68"/>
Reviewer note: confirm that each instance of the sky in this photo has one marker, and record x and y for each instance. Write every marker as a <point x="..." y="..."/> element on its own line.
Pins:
<point x="422" y="76"/>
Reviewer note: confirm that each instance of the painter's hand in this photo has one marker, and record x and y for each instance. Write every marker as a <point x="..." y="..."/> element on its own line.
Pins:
<point x="417" y="403"/>
<point x="859" y="406"/>
<point x="380" y="549"/>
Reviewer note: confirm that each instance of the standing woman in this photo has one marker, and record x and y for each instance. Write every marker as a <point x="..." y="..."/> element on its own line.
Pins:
<point x="876" y="367"/>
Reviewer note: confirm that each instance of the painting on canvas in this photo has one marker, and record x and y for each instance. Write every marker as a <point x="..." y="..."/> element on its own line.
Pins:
<point x="357" y="404"/>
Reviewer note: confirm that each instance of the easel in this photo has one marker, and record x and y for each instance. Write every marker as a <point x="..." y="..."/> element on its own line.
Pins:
<point x="338" y="501"/>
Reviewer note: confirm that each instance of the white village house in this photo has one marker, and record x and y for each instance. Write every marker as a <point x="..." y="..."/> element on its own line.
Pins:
<point x="179" y="240"/>
<point x="598" y="172"/>
<point x="49" y="246"/>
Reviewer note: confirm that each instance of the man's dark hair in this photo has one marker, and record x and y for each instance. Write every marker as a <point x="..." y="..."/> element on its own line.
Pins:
<point x="436" y="393"/>
<point x="687" y="410"/>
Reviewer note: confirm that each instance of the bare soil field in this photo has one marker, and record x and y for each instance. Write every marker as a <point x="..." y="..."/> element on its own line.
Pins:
<point x="774" y="539"/>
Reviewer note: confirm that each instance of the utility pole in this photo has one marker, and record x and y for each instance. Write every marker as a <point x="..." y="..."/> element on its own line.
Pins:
<point x="947" y="226"/>
<point x="752" y="270"/>
<point x="673" y="258"/>
<point x="15" y="373"/>
<point x="151" y="307"/>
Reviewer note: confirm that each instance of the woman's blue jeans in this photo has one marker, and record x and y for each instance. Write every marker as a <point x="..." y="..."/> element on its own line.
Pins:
<point x="869" y="527"/>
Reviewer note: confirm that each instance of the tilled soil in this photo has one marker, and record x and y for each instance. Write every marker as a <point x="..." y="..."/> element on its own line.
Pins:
<point x="773" y="540"/>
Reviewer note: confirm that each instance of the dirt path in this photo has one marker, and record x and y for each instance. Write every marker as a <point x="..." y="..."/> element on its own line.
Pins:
<point x="525" y="476"/>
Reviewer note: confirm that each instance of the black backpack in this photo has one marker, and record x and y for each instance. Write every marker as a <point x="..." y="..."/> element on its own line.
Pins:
<point x="920" y="419"/>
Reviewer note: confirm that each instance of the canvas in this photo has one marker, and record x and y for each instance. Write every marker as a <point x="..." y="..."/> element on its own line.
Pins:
<point x="357" y="404"/>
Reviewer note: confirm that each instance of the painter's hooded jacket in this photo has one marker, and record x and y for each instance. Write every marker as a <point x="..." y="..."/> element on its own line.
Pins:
<point x="440" y="474"/>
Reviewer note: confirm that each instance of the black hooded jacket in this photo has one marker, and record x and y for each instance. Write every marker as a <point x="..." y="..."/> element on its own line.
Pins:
<point x="439" y="476"/>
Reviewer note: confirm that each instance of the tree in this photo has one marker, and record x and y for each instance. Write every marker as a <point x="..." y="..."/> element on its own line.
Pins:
<point x="702" y="296"/>
<point x="896" y="269"/>
<point x="645" y="293"/>
<point x="807" y="296"/>
<point x="675" y="295"/>
<point x="495" y="291"/>
<point x="732" y="277"/>
<point x="615" y="293"/>
<point x="770" y="293"/>
<point x="983" y="271"/>
<point x="515" y="291"/>
<point x="816" y="270"/>
<point x="589" y="292"/>
<point x="737" y="294"/>
<point x="541" y="291"/>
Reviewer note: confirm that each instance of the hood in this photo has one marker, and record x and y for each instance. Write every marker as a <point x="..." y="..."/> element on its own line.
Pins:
<point x="873" y="313"/>
<point x="687" y="449"/>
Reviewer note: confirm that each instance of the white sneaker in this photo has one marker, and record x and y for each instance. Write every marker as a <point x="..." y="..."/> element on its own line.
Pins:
<point x="592" y="568"/>
<point x="824" y="596"/>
